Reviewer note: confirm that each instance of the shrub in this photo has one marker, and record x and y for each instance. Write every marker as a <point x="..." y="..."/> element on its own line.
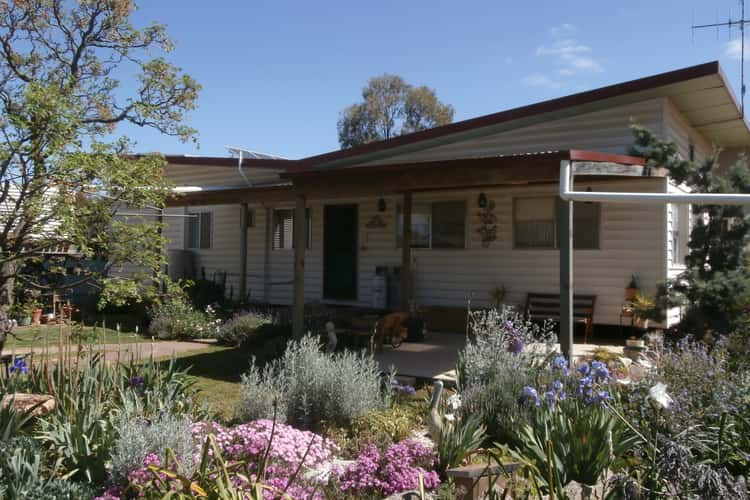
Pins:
<point x="175" y="318"/>
<point x="375" y="475"/>
<point x="138" y="436"/>
<point x="309" y="386"/>
<point x="503" y="355"/>
<point x="386" y="426"/>
<point x="240" y="329"/>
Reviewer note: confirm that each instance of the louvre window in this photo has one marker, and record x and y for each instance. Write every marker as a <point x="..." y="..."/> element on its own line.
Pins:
<point x="283" y="229"/>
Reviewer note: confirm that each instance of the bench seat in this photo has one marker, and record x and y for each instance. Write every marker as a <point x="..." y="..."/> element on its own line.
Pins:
<point x="544" y="306"/>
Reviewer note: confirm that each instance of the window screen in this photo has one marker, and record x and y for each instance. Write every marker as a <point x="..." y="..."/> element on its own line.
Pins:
<point x="283" y="229"/>
<point x="534" y="222"/>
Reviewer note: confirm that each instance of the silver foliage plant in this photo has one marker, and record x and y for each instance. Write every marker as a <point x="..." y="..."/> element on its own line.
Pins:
<point x="139" y="435"/>
<point x="308" y="386"/>
<point x="504" y="352"/>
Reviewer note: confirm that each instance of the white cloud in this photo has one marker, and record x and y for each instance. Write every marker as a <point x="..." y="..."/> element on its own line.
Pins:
<point x="565" y="29"/>
<point x="733" y="49"/>
<point x="540" y="80"/>
<point x="568" y="53"/>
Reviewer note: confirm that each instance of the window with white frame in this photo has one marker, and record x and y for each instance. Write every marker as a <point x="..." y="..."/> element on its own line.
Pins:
<point x="440" y="224"/>
<point x="283" y="229"/>
<point x="535" y="223"/>
<point x="198" y="230"/>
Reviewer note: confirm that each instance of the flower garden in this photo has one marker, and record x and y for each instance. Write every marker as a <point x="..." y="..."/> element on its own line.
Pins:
<point x="310" y="424"/>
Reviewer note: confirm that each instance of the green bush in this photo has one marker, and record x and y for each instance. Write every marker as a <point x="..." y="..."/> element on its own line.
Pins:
<point x="308" y="387"/>
<point x="387" y="426"/>
<point x="241" y="329"/>
<point x="176" y="318"/>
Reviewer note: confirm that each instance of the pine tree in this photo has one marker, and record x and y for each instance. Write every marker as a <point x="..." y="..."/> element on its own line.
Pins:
<point x="715" y="287"/>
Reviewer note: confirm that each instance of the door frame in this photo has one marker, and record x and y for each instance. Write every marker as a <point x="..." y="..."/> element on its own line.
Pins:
<point x="355" y="298"/>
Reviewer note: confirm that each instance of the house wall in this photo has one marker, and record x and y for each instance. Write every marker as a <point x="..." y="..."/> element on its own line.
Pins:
<point x="605" y="131"/>
<point x="631" y="242"/>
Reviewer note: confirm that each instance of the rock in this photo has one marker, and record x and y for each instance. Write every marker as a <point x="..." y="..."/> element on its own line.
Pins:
<point x="322" y="473"/>
<point x="25" y="402"/>
<point x="408" y="495"/>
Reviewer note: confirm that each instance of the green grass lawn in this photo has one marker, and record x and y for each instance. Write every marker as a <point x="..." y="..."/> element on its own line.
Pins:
<point x="37" y="336"/>
<point x="217" y="371"/>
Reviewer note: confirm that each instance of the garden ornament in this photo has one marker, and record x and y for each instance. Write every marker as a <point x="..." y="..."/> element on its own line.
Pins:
<point x="332" y="339"/>
<point x="435" y="420"/>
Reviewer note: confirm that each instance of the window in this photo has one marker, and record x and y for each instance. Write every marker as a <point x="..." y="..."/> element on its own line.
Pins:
<point x="535" y="223"/>
<point x="680" y="233"/>
<point x="283" y="229"/>
<point x="441" y="224"/>
<point x="198" y="230"/>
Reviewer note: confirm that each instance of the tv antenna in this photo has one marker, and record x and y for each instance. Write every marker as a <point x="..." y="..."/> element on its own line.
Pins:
<point x="731" y="23"/>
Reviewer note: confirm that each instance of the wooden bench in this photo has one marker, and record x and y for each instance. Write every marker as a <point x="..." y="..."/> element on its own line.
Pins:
<point x="542" y="306"/>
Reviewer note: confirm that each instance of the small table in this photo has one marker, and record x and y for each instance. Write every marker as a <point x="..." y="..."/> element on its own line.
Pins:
<point x="626" y="314"/>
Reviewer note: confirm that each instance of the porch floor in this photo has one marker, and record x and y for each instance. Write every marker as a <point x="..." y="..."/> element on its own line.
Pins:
<point x="435" y="359"/>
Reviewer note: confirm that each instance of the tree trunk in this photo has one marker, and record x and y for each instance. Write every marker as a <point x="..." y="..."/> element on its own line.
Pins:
<point x="7" y="282"/>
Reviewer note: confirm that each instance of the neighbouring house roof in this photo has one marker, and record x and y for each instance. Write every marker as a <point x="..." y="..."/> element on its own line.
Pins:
<point x="701" y="93"/>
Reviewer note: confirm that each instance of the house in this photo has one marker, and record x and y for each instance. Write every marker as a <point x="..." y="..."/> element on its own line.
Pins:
<point x="481" y="195"/>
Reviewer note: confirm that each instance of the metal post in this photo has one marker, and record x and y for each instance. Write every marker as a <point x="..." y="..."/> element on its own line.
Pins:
<point x="243" y="251"/>
<point x="565" y="243"/>
<point x="300" y="242"/>
<point x="267" y="256"/>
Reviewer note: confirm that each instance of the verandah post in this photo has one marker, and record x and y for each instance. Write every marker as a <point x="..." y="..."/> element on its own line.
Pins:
<point x="300" y="242"/>
<point x="406" y="276"/>
<point x="243" y="251"/>
<point x="565" y="243"/>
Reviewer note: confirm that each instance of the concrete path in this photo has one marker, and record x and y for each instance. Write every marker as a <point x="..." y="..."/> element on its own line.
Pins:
<point x="435" y="359"/>
<point x="164" y="348"/>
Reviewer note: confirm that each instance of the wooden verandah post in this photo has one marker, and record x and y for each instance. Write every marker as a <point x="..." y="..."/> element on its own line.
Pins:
<point x="406" y="277"/>
<point x="300" y="242"/>
<point x="243" y="251"/>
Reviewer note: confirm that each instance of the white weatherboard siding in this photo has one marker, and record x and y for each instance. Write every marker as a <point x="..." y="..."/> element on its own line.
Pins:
<point x="606" y="131"/>
<point x="632" y="241"/>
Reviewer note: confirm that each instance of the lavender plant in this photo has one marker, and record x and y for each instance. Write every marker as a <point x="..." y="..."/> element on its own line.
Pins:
<point x="310" y="386"/>
<point x="503" y="353"/>
<point x="241" y="327"/>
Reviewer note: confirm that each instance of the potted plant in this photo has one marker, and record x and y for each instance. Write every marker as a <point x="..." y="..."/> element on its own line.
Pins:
<point x="645" y="309"/>
<point x="22" y="313"/>
<point x="632" y="289"/>
<point x="36" y="313"/>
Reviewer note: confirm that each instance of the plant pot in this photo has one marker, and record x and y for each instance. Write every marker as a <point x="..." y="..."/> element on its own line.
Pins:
<point x="635" y="343"/>
<point x="24" y="321"/>
<point x="630" y="293"/>
<point x="36" y="317"/>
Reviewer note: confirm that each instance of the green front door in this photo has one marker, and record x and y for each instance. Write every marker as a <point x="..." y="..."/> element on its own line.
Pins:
<point x="340" y="252"/>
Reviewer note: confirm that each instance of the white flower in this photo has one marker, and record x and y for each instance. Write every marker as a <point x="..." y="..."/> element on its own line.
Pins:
<point x="449" y="417"/>
<point x="454" y="402"/>
<point x="658" y="394"/>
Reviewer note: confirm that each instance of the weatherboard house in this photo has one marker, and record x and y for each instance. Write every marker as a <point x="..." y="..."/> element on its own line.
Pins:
<point x="482" y="196"/>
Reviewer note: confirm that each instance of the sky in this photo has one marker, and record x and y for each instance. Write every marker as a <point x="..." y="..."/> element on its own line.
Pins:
<point x="276" y="74"/>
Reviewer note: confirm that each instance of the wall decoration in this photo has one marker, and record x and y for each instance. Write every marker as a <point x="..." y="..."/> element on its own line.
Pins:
<point x="376" y="222"/>
<point x="488" y="223"/>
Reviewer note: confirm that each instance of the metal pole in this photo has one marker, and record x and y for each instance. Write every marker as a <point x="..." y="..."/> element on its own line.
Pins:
<point x="565" y="243"/>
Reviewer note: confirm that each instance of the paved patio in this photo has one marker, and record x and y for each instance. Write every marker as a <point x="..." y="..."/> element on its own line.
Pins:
<point x="435" y="359"/>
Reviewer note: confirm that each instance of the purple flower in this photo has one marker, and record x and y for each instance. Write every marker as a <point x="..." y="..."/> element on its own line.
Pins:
<point x="556" y="386"/>
<point x="19" y="366"/>
<point x="136" y="381"/>
<point x="516" y="345"/>
<point x="551" y="398"/>
<point x="530" y="396"/>
<point x="584" y="369"/>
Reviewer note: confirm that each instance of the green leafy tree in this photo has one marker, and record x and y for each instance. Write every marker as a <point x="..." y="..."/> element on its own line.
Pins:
<point x="62" y="176"/>
<point x="715" y="287"/>
<point x="391" y="107"/>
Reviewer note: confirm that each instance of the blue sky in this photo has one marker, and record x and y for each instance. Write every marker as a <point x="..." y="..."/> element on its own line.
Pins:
<point x="276" y="74"/>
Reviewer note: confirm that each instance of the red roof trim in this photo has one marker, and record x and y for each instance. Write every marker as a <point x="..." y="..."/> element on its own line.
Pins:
<point x="639" y="85"/>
